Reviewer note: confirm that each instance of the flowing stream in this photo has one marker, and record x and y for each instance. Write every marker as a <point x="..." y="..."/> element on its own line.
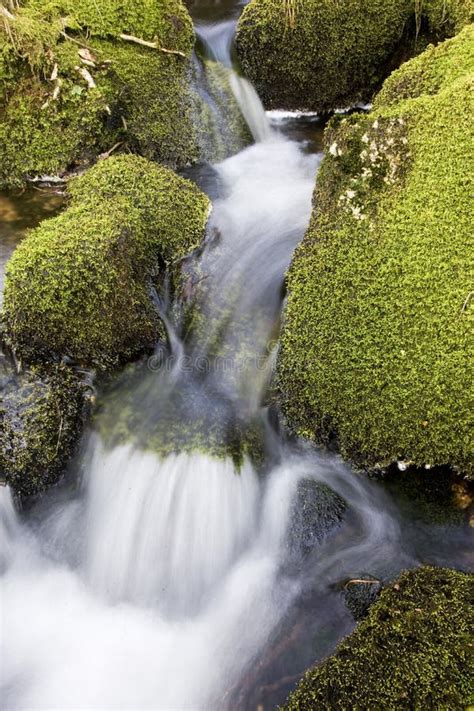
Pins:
<point x="161" y="574"/>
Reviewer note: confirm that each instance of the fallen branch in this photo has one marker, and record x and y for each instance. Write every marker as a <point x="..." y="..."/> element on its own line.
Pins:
<point x="105" y="155"/>
<point x="57" y="89"/>
<point x="79" y="44"/>
<point x="151" y="45"/>
<point x="55" y="94"/>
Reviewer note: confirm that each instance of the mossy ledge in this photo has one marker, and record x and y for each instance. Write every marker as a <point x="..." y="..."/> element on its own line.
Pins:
<point x="413" y="651"/>
<point x="80" y="284"/>
<point x="321" y="55"/>
<point x="377" y="342"/>
<point x="71" y="88"/>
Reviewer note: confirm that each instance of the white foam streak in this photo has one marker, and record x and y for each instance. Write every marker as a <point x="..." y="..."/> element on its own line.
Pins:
<point x="251" y="107"/>
<point x="9" y="527"/>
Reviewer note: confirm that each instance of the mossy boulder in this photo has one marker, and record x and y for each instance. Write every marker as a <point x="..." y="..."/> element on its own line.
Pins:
<point x="444" y="18"/>
<point x="80" y="284"/>
<point x="377" y="342"/>
<point x="41" y="416"/>
<point x="413" y="651"/>
<point x="321" y="55"/>
<point x="72" y="88"/>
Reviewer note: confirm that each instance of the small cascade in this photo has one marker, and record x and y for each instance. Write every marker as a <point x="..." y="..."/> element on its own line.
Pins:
<point x="181" y="583"/>
<point x="251" y="107"/>
<point x="217" y="40"/>
<point x="172" y="528"/>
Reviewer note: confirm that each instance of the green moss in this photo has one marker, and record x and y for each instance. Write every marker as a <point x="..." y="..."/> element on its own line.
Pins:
<point x="447" y="17"/>
<point x="189" y="419"/>
<point x="153" y="94"/>
<point x="49" y="141"/>
<point x="377" y="344"/>
<point x="142" y="97"/>
<point x="79" y="284"/>
<point x="413" y="651"/>
<point x="435" y="68"/>
<point x="166" y="21"/>
<point x="41" y="414"/>
<point x="325" y="54"/>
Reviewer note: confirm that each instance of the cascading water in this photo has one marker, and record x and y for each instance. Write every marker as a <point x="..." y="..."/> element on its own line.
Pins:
<point x="217" y="39"/>
<point x="165" y="579"/>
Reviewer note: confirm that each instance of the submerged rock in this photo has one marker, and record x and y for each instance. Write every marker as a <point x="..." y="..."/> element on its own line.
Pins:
<point x="360" y="594"/>
<point x="78" y="78"/>
<point x="41" y="416"/>
<point x="80" y="284"/>
<point x="140" y="408"/>
<point x="376" y="345"/>
<point x="320" y="55"/>
<point x="316" y="511"/>
<point x="411" y="652"/>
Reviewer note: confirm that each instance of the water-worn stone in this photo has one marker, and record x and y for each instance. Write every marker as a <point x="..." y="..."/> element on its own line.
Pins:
<point x="360" y="594"/>
<point x="316" y="511"/>
<point x="41" y="416"/>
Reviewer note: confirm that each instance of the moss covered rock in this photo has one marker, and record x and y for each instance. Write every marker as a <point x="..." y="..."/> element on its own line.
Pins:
<point x="41" y="416"/>
<point x="140" y="408"/>
<point x="80" y="284"/>
<point x="413" y="651"/>
<point x="377" y="344"/>
<point x="72" y="89"/>
<point x="320" y="55"/>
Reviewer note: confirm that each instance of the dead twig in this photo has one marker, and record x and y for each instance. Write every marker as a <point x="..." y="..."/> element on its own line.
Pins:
<point x="358" y="581"/>
<point x="6" y="13"/>
<point x="151" y="45"/>
<point x="87" y="76"/>
<point x="467" y="301"/>
<point x="105" y="155"/>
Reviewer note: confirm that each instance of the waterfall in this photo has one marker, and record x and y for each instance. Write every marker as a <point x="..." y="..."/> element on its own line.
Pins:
<point x="217" y="40"/>
<point x="172" y="528"/>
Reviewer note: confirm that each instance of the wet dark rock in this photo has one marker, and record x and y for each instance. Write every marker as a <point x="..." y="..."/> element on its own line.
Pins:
<point x="316" y="510"/>
<point x="42" y="412"/>
<point x="360" y="594"/>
